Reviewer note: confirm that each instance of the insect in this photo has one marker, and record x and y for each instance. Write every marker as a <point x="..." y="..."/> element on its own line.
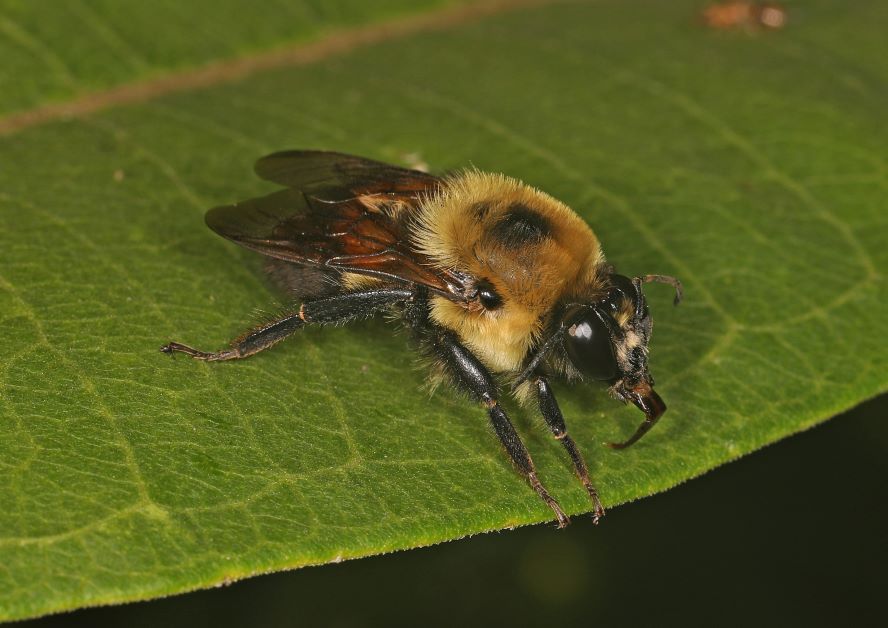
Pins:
<point x="498" y="282"/>
<point x="750" y="15"/>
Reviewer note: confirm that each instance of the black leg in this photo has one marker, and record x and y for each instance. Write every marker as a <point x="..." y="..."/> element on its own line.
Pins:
<point x="542" y="351"/>
<point x="470" y="375"/>
<point x="555" y="421"/>
<point x="336" y="309"/>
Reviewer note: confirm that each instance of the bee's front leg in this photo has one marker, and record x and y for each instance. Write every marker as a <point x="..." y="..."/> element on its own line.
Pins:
<point x="555" y="420"/>
<point x="472" y="376"/>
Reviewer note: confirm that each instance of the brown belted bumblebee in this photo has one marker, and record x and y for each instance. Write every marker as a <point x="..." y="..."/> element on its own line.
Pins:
<point x="499" y="282"/>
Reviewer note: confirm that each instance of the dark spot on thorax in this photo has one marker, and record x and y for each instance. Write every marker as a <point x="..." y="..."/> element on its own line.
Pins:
<point x="488" y="296"/>
<point x="521" y="225"/>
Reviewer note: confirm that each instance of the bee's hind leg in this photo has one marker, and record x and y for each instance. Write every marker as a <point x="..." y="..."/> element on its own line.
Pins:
<point x="339" y="308"/>
<point x="555" y="420"/>
<point x="247" y="344"/>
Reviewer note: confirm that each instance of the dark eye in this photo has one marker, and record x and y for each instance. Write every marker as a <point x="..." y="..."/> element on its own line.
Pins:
<point x="489" y="297"/>
<point x="588" y="344"/>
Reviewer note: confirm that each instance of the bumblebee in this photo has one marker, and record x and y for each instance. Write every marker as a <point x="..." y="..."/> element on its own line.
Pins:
<point x="498" y="282"/>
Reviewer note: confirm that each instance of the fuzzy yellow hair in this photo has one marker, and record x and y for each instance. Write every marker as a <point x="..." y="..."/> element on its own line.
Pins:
<point x="456" y="228"/>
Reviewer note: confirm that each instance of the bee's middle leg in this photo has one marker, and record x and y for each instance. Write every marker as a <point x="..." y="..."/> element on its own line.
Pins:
<point x="472" y="376"/>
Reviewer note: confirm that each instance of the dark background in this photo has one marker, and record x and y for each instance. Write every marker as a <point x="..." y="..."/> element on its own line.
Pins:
<point x="792" y="535"/>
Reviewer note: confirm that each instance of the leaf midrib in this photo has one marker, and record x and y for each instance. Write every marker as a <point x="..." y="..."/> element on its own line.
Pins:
<point x="233" y="69"/>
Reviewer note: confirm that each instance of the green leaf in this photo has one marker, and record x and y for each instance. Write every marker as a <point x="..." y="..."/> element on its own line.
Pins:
<point x="55" y="53"/>
<point x="750" y="164"/>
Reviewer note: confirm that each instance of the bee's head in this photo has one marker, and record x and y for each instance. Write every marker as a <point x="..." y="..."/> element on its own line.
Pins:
<point x="607" y="340"/>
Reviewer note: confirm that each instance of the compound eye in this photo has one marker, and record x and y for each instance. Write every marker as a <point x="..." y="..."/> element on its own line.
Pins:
<point x="589" y="346"/>
<point x="488" y="296"/>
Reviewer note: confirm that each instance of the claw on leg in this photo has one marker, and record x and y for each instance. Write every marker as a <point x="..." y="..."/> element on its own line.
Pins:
<point x="563" y="519"/>
<point x="175" y="347"/>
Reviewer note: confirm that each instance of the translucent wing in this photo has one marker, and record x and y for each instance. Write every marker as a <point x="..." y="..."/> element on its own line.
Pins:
<point x="340" y="213"/>
<point x="335" y="176"/>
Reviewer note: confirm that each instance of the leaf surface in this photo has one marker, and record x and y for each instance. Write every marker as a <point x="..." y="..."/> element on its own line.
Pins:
<point x="750" y="164"/>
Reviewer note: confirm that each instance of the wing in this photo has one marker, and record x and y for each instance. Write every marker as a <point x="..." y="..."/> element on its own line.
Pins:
<point x="335" y="176"/>
<point x="333" y="214"/>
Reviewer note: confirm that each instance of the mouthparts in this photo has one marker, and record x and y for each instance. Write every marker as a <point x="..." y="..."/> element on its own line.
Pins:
<point x="648" y="401"/>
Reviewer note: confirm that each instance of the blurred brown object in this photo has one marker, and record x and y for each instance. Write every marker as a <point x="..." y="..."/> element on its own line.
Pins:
<point x="732" y="15"/>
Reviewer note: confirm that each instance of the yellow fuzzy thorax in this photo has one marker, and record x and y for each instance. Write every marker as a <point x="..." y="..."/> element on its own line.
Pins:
<point x="532" y="267"/>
